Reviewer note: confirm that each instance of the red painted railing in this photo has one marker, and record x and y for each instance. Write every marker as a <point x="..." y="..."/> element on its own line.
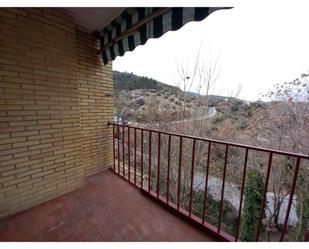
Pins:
<point x="154" y="179"/>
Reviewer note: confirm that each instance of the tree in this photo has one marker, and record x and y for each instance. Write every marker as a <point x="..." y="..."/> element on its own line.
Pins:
<point x="303" y="204"/>
<point x="252" y="205"/>
<point x="287" y="126"/>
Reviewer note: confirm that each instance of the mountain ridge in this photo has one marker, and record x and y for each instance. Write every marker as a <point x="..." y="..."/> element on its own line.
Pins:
<point x="129" y="81"/>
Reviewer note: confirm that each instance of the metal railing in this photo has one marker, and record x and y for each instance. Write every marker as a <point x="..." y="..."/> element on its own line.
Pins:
<point x="137" y="154"/>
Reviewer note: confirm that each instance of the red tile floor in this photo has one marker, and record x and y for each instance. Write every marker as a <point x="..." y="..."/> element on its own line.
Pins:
<point x="106" y="208"/>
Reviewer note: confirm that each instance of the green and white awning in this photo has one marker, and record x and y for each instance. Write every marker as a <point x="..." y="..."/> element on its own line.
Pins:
<point x="136" y="25"/>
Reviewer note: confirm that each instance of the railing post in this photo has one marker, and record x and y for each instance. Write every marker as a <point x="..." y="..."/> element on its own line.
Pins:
<point x="118" y="139"/>
<point x="135" y="156"/>
<point x="129" y="159"/>
<point x="192" y="176"/>
<point x="264" y="196"/>
<point x="149" y="162"/>
<point x="293" y="185"/>
<point x="222" y="190"/>
<point x="158" y="172"/>
<point x="142" y="158"/>
<point x="306" y="237"/>
<point x="168" y="168"/>
<point x="179" y="173"/>
<point x="114" y="147"/>
<point x="123" y="160"/>
<point x="206" y="181"/>
<point x="241" y="194"/>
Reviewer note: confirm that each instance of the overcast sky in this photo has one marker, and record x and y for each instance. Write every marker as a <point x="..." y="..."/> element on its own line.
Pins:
<point x="256" y="46"/>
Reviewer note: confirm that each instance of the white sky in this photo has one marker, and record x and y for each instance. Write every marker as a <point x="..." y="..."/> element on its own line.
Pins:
<point x="256" y="45"/>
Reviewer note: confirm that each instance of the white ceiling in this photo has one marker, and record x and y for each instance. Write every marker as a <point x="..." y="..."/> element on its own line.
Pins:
<point x="94" y="18"/>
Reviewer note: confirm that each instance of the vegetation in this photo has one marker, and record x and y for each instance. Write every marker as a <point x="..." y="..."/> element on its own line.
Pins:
<point x="252" y="206"/>
<point x="303" y="206"/>
<point x="212" y="210"/>
<point x="130" y="81"/>
<point x="280" y="122"/>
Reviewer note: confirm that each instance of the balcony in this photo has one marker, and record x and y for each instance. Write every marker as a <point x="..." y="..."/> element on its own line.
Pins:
<point x="106" y="208"/>
<point x="205" y="181"/>
<point x="166" y="187"/>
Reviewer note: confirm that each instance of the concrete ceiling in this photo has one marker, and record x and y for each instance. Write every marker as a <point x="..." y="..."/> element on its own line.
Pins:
<point x="94" y="18"/>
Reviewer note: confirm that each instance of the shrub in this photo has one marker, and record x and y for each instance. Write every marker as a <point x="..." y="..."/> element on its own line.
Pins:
<point x="243" y="125"/>
<point x="252" y="204"/>
<point x="218" y="120"/>
<point x="177" y="103"/>
<point x="302" y="205"/>
<point x="229" y="216"/>
<point x="234" y="108"/>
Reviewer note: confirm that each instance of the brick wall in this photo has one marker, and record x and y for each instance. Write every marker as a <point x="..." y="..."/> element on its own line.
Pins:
<point x="55" y="102"/>
<point x="96" y="103"/>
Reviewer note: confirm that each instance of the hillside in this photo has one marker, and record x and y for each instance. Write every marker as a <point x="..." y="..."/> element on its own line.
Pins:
<point x="130" y="81"/>
<point x="140" y="99"/>
<point x="147" y="101"/>
<point x="282" y="125"/>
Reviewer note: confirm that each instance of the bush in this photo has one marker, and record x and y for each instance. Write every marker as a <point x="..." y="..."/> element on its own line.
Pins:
<point x="214" y="128"/>
<point x="140" y="102"/>
<point x="234" y="108"/>
<point x="302" y="205"/>
<point x="243" y="125"/>
<point x="252" y="204"/>
<point x="177" y="103"/>
<point x="218" y="120"/>
<point x="229" y="216"/>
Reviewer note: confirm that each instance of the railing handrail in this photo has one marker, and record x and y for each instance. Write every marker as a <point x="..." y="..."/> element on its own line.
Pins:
<point x="285" y="153"/>
<point x="175" y="203"/>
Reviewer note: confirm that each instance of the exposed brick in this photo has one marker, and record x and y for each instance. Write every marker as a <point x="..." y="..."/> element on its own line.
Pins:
<point x="55" y="103"/>
<point x="41" y="155"/>
<point x="15" y="171"/>
<point x="6" y="168"/>
<point x="16" y="181"/>
<point x="5" y="146"/>
<point x="4" y="179"/>
<point x="25" y="134"/>
<point x="28" y="143"/>
<point x="12" y="140"/>
<point x="28" y="172"/>
<point x="28" y="163"/>
<point x="14" y="161"/>
<point x="25" y="153"/>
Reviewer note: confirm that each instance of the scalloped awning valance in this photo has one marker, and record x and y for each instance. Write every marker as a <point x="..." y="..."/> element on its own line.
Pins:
<point x="135" y="26"/>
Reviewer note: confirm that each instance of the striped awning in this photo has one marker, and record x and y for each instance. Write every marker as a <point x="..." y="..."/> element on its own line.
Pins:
<point x="136" y="25"/>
